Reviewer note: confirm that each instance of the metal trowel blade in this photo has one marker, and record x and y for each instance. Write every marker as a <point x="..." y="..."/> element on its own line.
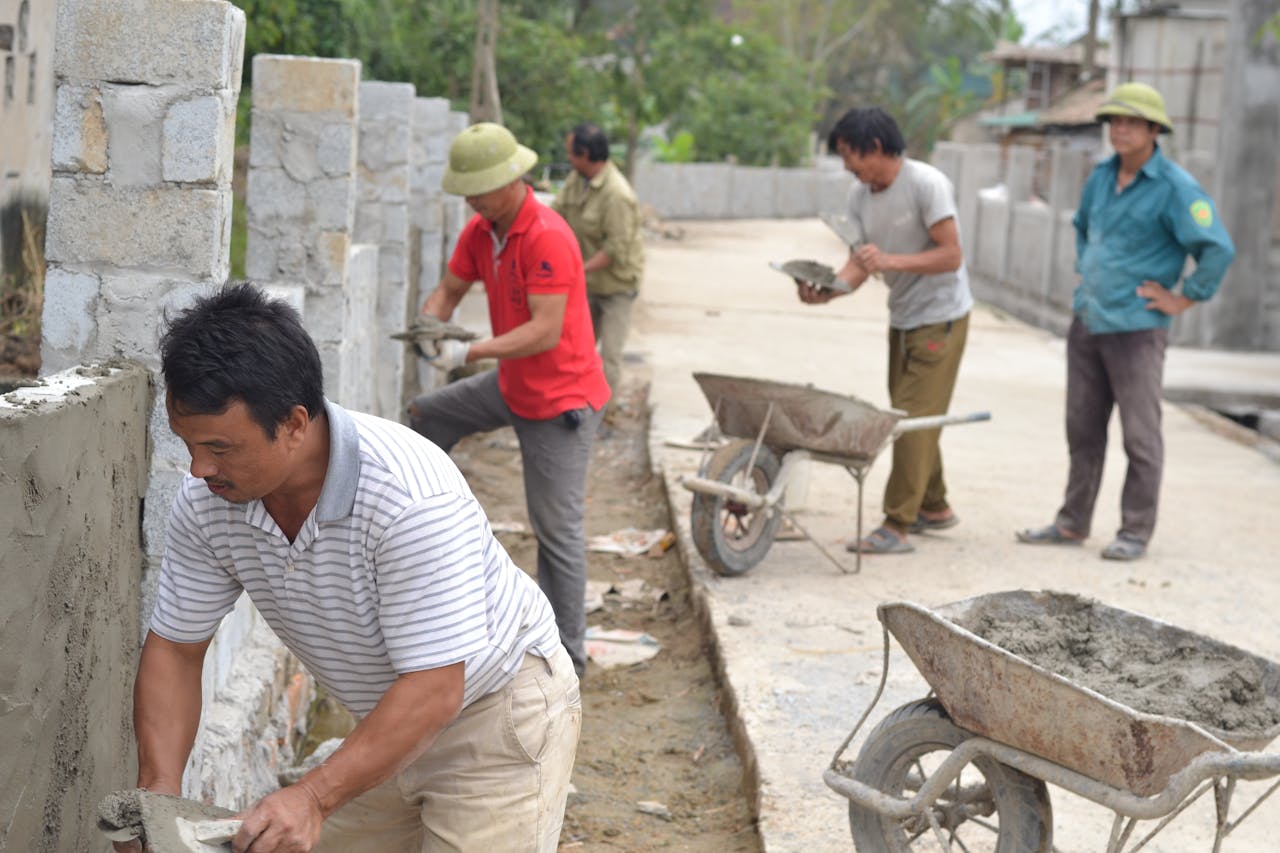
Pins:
<point x="207" y="836"/>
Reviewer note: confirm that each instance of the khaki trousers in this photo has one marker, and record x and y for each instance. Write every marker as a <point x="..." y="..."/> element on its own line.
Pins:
<point x="495" y="780"/>
<point x="611" y="319"/>
<point x="923" y="365"/>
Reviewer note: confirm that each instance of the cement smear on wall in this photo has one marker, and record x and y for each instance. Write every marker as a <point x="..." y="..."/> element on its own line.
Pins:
<point x="73" y="470"/>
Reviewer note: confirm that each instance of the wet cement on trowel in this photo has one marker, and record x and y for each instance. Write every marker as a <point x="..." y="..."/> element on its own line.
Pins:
<point x="153" y="816"/>
<point x="1183" y="680"/>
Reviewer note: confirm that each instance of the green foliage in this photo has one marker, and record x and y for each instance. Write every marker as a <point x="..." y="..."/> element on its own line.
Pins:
<point x="679" y="149"/>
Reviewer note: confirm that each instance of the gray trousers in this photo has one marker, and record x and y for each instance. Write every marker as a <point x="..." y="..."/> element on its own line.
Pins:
<point x="555" y="455"/>
<point x="611" y="320"/>
<point x="1124" y="370"/>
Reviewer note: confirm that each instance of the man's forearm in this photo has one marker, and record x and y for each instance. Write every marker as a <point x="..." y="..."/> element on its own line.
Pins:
<point x="402" y="726"/>
<point x="166" y="710"/>
<point x="600" y="260"/>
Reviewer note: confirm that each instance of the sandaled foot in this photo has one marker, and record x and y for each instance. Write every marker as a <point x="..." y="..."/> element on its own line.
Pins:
<point x="1124" y="548"/>
<point x="1050" y="534"/>
<point x="925" y="523"/>
<point x="882" y="540"/>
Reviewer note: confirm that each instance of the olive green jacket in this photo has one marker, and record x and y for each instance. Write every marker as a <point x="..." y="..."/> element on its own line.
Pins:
<point x="605" y="216"/>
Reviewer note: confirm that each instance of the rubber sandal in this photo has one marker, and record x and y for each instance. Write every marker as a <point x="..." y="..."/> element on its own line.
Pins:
<point x="1124" y="548"/>
<point x="923" y="525"/>
<point x="1050" y="534"/>
<point x="882" y="540"/>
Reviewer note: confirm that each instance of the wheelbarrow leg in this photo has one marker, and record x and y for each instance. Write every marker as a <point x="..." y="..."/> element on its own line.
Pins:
<point x="859" y="473"/>
<point x="789" y="516"/>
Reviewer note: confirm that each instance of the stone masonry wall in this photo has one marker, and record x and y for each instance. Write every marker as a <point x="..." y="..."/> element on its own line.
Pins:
<point x="73" y="470"/>
<point x="139" y="225"/>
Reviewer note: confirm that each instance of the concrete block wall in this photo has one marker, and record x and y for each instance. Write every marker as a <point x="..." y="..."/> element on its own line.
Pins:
<point x="73" y="471"/>
<point x="382" y="219"/>
<point x="1021" y="254"/>
<point x="139" y="225"/>
<point x="456" y="212"/>
<point x="728" y="191"/>
<point x="429" y="155"/>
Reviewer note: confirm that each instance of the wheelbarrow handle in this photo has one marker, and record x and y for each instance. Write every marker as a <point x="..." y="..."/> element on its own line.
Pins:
<point x="935" y="421"/>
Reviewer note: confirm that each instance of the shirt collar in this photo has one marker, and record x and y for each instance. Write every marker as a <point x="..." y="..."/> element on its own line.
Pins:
<point x="601" y="176"/>
<point x="338" y="494"/>
<point x="1151" y="168"/>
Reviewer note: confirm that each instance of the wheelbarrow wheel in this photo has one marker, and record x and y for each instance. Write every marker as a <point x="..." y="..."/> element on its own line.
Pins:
<point x="990" y="807"/>
<point x="731" y="536"/>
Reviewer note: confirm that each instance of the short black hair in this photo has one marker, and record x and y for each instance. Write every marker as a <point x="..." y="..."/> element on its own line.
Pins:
<point x="589" y="139"/>
<point x="862" y="127"/>
<point x="238" y="344"/>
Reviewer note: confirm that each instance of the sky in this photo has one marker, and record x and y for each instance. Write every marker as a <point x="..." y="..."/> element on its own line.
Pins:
<point x="1065" y="19"/>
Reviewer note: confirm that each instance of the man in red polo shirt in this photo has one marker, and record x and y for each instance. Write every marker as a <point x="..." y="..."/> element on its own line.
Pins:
<point x="549" y="385"/>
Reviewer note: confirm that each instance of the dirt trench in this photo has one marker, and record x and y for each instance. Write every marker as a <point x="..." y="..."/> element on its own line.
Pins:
<point x="656" y="766"/>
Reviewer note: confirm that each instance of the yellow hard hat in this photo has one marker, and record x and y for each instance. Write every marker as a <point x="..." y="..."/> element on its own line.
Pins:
<point x="483" y="158"/>
<point x="1136" y="99"/>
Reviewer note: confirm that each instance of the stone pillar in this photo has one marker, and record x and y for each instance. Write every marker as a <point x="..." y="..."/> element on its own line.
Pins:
<point x="428" y="156"/>
<point x="139" y="225"/>
<point x="382" y="220"/>
<point x="300" y="208"/>
<point x="980" y="169"/>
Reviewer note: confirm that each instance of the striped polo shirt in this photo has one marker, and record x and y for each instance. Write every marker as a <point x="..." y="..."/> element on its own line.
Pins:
<point x="395" y="570"/>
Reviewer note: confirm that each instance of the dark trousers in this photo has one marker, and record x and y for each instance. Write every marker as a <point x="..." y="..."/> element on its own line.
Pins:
<point x="1124" y="370"/>
<point x="923" y="365"/>
<point x="555" y="454"/>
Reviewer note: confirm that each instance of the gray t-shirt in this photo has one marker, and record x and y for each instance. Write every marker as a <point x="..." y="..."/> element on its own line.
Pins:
<point x="897" y="220"/>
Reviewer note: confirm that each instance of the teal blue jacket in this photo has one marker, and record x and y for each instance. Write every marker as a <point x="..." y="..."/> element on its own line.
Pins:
<point x="1144" y="232"/>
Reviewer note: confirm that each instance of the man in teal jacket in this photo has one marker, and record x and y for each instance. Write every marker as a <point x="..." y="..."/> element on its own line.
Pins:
<point x="1139" y="217"/>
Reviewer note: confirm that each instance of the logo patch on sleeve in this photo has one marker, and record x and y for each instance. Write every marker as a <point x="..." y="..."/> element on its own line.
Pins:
<point x="1202" y="213"/>
<point x="544" y="272"/>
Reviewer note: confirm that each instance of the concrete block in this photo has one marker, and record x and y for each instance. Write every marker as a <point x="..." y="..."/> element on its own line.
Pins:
<point x="260" y="256"/>
<point x="272" y="196"/>
<point x="1030" y="236"/>
<point x="751" y="192"/>
<point x="948" y="158"/>
<point x="135" y="127"/>
<point x="198" y="135"/>
<point x="265" y="129"/>
<point x="336" y="150"/>
<point x="195" y="43"/>
<point x="329" y="266"/>
<point x="79" y="130"/>
<point x="332" y="203"/>
<point x="166" y="229"/>
<point x="1068" y="169"/>
<point x="386" y="101"/>
<point x="67" y="321"/>
<point x="129" y="307"/>
<point x="993" y="239"/>
<point x="305" y="84"/>
<point x="1020" y="173"/>
<point x="162" y="488"/>
<point x="795" y="195"/>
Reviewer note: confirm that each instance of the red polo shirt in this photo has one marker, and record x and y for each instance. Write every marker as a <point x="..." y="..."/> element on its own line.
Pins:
<point x="540" y="255"/>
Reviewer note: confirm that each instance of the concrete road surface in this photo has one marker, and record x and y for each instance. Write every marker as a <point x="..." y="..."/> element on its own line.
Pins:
<point x="799" y="639"/>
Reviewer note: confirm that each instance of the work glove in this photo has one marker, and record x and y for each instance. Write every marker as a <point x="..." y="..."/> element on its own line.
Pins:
<point x="450" y="354"/>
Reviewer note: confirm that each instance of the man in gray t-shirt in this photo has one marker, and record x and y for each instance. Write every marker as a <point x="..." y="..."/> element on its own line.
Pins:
<point x="905" y="212"/>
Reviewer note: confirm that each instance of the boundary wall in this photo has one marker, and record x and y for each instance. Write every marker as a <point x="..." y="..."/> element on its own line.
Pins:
<point x="729" y="191"/>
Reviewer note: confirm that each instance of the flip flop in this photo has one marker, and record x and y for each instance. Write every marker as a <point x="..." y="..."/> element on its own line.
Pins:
<point x="1050" y="534"/>
<point x="882" y="540"/>
<point x="1124" y="548"/>
<point x="922" y="524"/>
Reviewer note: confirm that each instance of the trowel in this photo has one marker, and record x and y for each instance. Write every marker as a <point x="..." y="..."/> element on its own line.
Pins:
<point x="166" y="824"/>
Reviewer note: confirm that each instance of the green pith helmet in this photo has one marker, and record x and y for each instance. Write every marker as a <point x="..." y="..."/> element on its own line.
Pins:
<point x="483" y="158"/>
<point x="1136" y="99"/>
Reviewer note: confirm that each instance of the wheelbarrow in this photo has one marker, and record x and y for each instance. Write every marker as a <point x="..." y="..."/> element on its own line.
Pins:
<point x="774" y="427"/>
<point x="966" y="768"/>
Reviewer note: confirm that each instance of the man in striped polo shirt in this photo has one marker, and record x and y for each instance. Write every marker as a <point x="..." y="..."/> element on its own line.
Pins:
<point x="363" y="548"/>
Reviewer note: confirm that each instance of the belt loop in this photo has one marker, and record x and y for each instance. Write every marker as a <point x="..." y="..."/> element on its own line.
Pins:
<point x="949" y="323"/>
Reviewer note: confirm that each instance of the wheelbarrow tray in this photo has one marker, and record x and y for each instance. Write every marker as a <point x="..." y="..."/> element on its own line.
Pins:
<point x="803" y="417"/>
<point x="998" y="695"/>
